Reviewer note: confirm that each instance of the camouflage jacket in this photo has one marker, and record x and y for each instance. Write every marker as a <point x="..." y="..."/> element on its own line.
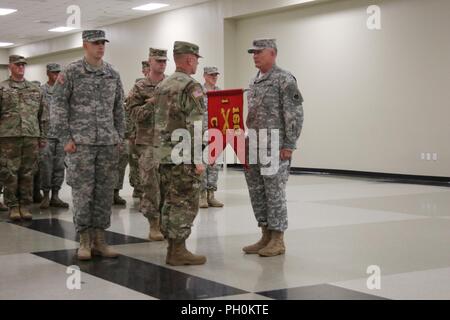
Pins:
<point x="47" y="92"/>
<point x="87" y="105"/>
<point x="275" y="102"/>
<point x="22" y="110"/>
<point x="141" y="113"/>
<point x="178" y="105"/>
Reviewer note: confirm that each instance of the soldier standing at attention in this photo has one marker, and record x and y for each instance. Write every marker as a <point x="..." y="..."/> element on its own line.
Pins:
<point x="89" y="120"/>
<point x="141" y="110"/>
<point x="22" y="133"/>
<point x="179" y="105"/>
<point x="211" y="175"/>
<point x="51" y="164"/>
<point x="130" y="134"/>
<point x="274" y="103"/>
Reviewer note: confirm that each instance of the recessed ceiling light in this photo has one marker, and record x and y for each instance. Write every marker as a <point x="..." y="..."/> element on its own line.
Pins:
<point x="151" y="6"/>
<point x="4" y="12"/>
<point x="62" y="29"/>
<point x="6" y="44"/>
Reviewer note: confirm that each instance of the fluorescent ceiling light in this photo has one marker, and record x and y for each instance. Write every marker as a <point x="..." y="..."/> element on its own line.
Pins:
<point x="6" y="44"/>
<point x="62" y="29"/>
<point x="151" y="6"/>
<point x="4" y="12"/>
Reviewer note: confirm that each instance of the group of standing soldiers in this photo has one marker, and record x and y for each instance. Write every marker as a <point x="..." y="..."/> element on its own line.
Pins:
<point x="82" y="116"/>
<point x="28" y="143"/>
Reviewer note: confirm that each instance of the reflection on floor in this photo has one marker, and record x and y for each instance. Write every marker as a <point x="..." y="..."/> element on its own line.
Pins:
<point x="338" y="228"/>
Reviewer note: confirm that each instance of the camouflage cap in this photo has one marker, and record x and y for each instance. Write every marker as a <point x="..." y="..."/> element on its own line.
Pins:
<point x="94" y="35"/>
<point x="261" y="44"/>
<point x="53" y="67"/>
<point x="158" y="54"/>
<point x="16" y="59"/>
<point x="145" y="64"/>
<point x="180" y="47"/>
<point x="211" y="70"/>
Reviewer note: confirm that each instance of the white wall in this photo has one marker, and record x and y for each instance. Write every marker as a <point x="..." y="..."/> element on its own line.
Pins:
<point x="374" y="100"/>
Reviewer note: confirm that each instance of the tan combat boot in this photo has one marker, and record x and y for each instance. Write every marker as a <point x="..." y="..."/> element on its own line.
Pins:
<point x="203" y="202"/>
<point x="84" y="252"/>
<point x="265" y="239"/>
<point x="155" y="232"/>
<point x="275" y="246"/>
<point x="56" y="202"/>
<point x="181" y="256"/>
<point x="100" y="247"/>
<point x="14" y="214"/>
<point x="212" y="201"/>
<point x="26" y="213"/>
<point x="45" y="204"/>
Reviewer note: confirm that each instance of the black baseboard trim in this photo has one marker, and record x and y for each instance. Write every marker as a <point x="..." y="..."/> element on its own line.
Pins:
<point x="379" y="176"/>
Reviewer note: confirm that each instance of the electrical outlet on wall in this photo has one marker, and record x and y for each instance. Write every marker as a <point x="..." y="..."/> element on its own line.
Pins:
<point x="435" y="156"/>
<point x="422" y="156"/>
<point x="428" y="156"/>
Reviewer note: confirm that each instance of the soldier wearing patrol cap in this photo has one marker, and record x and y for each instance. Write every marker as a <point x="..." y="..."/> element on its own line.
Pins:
<point x="211" y="175"/>
<point x="22" y="131"/>
<point x="87" y="109"/>
<point x="179" y="105"/>
<point x="51" y="165"/>
<point x="141" y="111"/>
<point x="274" y="103"/>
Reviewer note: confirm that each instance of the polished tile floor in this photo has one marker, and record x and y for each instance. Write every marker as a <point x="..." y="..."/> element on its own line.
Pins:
<point x="338" y="227"/>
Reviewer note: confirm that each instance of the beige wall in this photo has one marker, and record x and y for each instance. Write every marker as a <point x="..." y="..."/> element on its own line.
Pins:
<point x="374" y="100"/>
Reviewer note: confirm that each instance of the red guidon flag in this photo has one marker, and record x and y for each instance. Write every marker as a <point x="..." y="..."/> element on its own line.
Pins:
<point x="225" y="115"/>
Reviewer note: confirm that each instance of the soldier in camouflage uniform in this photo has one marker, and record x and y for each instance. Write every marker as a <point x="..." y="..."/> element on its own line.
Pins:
<point x="37" y="196"/>
<point x="131" y="136"/>
<point x="141" y="110"/>
<point x="51" y="164"/>
<point x="22" y="132"/>
<point x="87" y="109"/>
<point x="179" y="105"/>
<point x="274" y="102"/>
<point x="211" y="175"/>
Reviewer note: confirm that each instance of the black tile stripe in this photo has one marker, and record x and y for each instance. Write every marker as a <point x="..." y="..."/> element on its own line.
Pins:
<point x="66" y="230"/>
<point x="319" y="292"/>
<point x="144" y="277"/>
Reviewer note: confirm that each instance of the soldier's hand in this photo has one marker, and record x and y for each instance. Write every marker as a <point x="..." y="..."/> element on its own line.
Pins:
<point x="70" y="147"/>
<point x="285" y="154"/>
<point x="199" y="169"/>
<point x="150" y="100"/>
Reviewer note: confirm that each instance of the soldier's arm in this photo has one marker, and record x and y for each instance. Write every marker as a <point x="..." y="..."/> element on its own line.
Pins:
<point x="119" y="112"/>
<point x="292" y="112"/>
<point x="193" y="106"/>
<point x="134" y="100"/>
<point x="1" y="101"/>
<point x="60" y="110"/>
<point x="44" y="116"/>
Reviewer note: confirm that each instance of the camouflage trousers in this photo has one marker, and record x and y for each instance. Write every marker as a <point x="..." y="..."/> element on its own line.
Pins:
<point x="268" y="196"/>
<point x="51" y="165"/>
<point x="121" y="166"/>
<point x="23" y="154"/>
<point x="133" y="160"/>
<point x="210" y="177"/>
<point x="181" y="197"/>
<point x="5" y="171"/>
<point x="91" y="175"/>
<point x="150" y="182"/>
